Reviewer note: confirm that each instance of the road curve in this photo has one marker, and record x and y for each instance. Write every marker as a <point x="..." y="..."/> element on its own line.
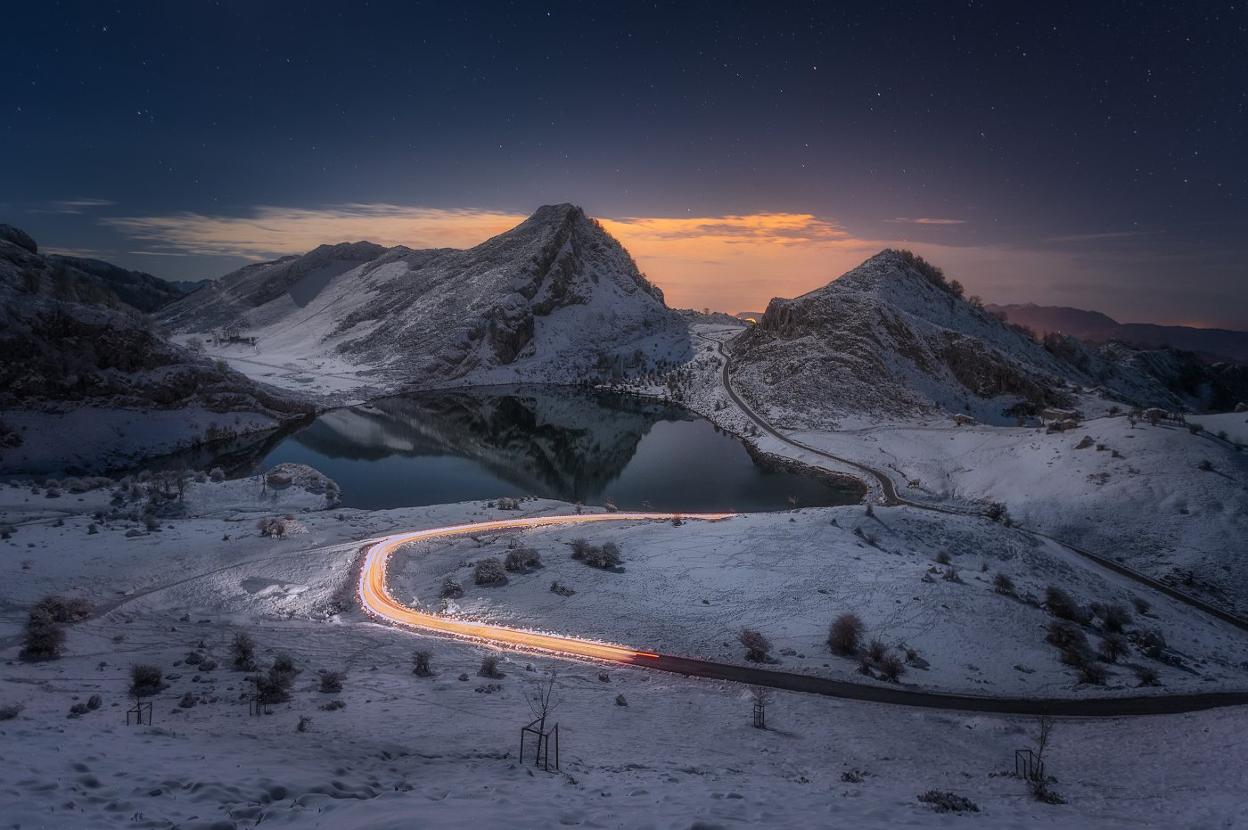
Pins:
<point x="376" y="599"/>
<point x="891" y="497"/>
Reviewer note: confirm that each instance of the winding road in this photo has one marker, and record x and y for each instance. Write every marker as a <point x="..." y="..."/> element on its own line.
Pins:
<point x="376" y="599"/>
<point x="891" y="497"/>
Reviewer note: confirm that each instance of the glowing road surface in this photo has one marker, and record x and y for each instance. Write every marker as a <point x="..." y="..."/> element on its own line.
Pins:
<point x="376" y="598"/>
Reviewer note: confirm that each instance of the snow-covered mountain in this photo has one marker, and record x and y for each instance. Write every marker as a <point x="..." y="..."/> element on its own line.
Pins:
<point x="893" y="338"/>
<point x="75" y="361"/>
<point x="553" y="299"/>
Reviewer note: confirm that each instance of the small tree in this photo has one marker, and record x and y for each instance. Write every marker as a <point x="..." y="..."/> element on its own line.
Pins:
<point x="420" y="664"/>
<point x="146" y="680"/>
<point x="489" y="667"/>
<point x="243" y="652"/>
<point x="756" y="645"/>
<point x="43" y="638"/>
<point x="845" y="635"/>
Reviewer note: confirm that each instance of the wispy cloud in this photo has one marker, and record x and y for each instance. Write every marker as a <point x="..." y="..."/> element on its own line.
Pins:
<point x="924" y="220"/>
<point x="1098" y="237"/>
<point x="75" y="206"/>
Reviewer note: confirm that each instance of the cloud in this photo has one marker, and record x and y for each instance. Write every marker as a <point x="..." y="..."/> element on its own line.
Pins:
<point x="73" y="205"/>
<point x="925" y="220"/>
<point x="275" y="231"/>
<point x="1097" y="237"/>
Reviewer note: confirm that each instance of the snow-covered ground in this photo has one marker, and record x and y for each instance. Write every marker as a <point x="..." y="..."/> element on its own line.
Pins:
<point x="1137" y="493"/>
<point x="689" y="590"/>
<point x="438" y="752"/>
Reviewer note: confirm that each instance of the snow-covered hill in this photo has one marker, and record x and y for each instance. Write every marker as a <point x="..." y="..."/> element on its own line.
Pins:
<point x="893" y="339"/>
<point x="85" y="382"/>
<point x="553" y="299"/>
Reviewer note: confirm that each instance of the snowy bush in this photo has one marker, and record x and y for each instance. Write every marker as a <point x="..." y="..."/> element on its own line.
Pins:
<point x="521" y="560"/>
<point x="331" y="682"/>
<point x="146" y="680"/>
<point x="274" y="685"/>
<point x="271" y="526"/>
<point x="506" y="503"/>
<point x="947" y="802"/>
<point x="756" y="645"/>
<point x="489" y="667"/>
<point x="876" y="650"/>
<point x="217" y="474"/>
<point x="1152" y="643"/>
<point x="489" y="571"/>
<point x="562" y="590"/>
<point x="9" y="711"/>
<point x="845" y="634"/>
<point x="1002" y="584"/>
<point x="1146" y="675"/>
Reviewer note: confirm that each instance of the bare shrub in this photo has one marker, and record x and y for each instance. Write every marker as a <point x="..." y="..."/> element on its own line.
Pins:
<point x="756" y="645"/>
<point x="876" y="650"/>
<point x="1002" y="584"/>
<point x="489" y="571"/>
<point x="507" y="503"/>
<point x="1062" y="604"/>
<point x="1093" y="673"/>
<point x="1152" y="643"/>
<point x="946" y="802"/>
<point x="1115" y="618"/>
<point x="489" y="667"/>
<point x="243" y="652"/>
<point x="1146" y="675"/>
<point x="271" y="527"/>
<point x="451" y="589"/>
<point x="9" y="711"/>
<point x="1141" y="605"/>
<point x="562" y="590"/>
<point x="274" y="685"/>
<point x="845" y="635"/>
<point x="943" y="558"/>
<point x="331" y="682"/>
<point x="579" y="548"/>
<point x="891" y="667"/>
<point x="43" y="638"/>
<point x="1114" y="648"/>
<point x="64" y="609"/>
<point x="420" y="664"/>
<point x="605" y="557"/>
<point x="521" y="560"/>
<point x="146" y="680"/>
<point x="1065" y="634"/>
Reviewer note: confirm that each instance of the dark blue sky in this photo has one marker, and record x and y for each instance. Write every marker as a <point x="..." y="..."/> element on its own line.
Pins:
<point x="1105" y="143"/>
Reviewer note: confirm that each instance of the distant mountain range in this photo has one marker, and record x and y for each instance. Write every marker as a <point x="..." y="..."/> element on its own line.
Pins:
<point x="554" y="299"/>
<point x="1095" y="327"/>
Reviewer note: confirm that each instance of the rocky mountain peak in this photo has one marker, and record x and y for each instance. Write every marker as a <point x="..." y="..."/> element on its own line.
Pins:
<point x="18" y="237"/>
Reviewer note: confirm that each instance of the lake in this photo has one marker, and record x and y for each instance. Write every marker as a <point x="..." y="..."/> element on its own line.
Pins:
<point x="562" y="443"/>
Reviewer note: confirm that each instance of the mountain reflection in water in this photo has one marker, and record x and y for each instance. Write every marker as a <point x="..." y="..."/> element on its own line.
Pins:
<point x="554" y="442"/>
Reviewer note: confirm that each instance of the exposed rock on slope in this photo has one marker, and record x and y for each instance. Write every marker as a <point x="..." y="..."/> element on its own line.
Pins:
<point x="70" y="350"/>
<point x="555" y="298"/>
<point x="892" y="338"/>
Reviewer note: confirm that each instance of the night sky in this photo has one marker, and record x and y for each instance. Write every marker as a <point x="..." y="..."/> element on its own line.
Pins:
<point x="1089" y="154"/>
